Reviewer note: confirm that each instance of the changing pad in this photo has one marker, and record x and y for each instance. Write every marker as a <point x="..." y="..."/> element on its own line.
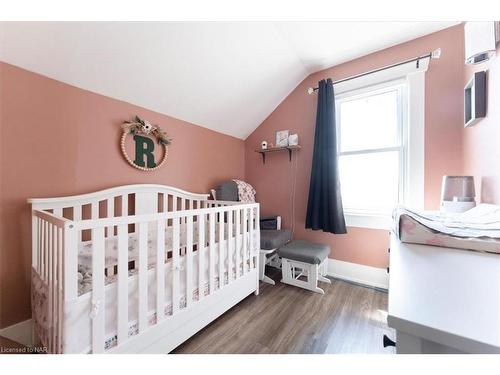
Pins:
<point x="477" y="229"/>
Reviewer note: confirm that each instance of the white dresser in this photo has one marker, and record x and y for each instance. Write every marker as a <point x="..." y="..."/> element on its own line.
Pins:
<point x="444" y="300"/>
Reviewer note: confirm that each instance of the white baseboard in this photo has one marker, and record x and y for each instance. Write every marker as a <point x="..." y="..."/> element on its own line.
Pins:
<point x="20" y="332"/>
<point x="358" y="273"/>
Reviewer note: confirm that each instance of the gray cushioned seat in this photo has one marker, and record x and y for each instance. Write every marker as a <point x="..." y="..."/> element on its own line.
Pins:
<point x="272" y="239"/>
<point x="303" y="251"/>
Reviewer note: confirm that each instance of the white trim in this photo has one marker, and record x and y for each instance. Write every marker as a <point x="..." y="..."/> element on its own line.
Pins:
<point x="358" y="273"/>
<point x="412" y="137"/>
<point x="21" y="332"/>
<point x="414" y="194"/>
<point x="363" y="217"/>
<point x="367" y="220"/>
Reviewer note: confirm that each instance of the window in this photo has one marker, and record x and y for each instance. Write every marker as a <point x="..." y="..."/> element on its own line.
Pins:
<point x="372" y="129"/>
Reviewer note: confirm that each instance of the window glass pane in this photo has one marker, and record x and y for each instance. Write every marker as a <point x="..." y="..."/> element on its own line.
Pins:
<point x="369" y="182"/>
<point x="369" y="122"/>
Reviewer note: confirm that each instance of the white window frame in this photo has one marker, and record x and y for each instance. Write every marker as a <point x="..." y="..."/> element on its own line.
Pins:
<point x="401" y="144"/>
<point x="411" y="189"/>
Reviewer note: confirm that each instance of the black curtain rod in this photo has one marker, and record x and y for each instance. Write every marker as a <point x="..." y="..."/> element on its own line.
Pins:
<point x="436" y="54"/>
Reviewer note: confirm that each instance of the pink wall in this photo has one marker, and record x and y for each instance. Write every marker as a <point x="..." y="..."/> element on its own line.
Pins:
<point x="60" y="140"/>
<point x="482" y="141"/>
<point x="443" y="141"/>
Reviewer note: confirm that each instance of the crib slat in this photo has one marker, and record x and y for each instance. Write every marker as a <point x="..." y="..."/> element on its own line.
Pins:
<point x="95" y="210"/>
<point x="189" y="260"/>
<point x="54" y="287"/>
<point x="244" y="228"/>
<point x="39" y="246"/>
<point x="238" y="242"/>
<point x="124" y="205"/>
<point x="221" y="250"/>
<point x="98" y="303"/>
<point x="77" y="213"/>
<point x="160" y="270"/>
<point x="60" y="290"/>
<point x="50" y="302"/>
<point x="111" y="213"/>
<point x="201" y="256"/>
<point x="122" y="313"/>
<point x="58" y="212"/>
<point x="71" y="236"/>
<point x="77" y="216"/>
<point x="183" y="207"/>
<point x="143" y="276"/>
<point x="45" y="249"/>
<point x="230" y="245"/>
<point x="251" y="233"/>
<point x="41" y="242"/>
<point x="174" y="203"/>
<point x="175" y="265"/>
<point x="211" y="250"/>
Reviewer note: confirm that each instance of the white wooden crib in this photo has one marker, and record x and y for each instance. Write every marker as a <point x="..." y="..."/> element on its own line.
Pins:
<point x="138" y="268"/>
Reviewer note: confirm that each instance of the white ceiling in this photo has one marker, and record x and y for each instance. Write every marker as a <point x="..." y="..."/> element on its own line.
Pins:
<point x="227" y="77"/>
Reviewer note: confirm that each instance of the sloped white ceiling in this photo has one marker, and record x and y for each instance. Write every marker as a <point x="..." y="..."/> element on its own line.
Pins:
<point x="227" y="77"/>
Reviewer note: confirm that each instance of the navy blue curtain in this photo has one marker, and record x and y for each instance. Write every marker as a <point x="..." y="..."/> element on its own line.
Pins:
<point x="324" y="207"/>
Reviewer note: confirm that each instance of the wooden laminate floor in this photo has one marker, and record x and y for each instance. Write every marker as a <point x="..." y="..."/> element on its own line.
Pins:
<point x="284" y="319"/>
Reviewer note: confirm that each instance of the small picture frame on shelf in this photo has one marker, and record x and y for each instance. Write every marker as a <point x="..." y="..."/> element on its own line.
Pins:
<point x="282" y="138"/>
<point x="293" y="140"/>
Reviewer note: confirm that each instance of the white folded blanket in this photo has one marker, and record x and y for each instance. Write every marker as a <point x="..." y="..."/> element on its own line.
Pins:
<point x="481" y="221"/>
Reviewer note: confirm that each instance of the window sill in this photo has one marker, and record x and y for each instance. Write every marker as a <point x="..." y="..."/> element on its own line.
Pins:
<point x="367" y="220"/>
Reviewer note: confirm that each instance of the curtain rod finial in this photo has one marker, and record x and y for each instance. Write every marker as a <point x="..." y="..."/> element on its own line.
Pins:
<point x="436" y="54"/>
<point x="310" y="90"/>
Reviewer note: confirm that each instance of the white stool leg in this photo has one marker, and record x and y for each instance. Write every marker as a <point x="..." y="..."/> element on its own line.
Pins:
<point x="284" y="270"/>
<point x="324" y="279"/>
<point x="312" y="279"/>
<point x="323" y="272"/>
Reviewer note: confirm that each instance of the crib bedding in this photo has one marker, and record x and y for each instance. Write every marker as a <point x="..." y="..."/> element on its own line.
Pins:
<point x="477" y="229"/>
<point x="85" y="262"/>
<point x="80" y="337"/>
<point x="111" y="251"/>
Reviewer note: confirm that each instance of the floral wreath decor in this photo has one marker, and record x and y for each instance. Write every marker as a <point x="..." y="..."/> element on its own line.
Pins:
<point x="136" y="127"/>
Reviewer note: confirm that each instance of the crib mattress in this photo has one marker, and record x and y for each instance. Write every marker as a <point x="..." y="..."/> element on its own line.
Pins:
<point x="445" y="231"/>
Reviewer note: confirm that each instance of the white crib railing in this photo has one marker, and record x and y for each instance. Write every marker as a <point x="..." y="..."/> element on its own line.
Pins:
<point x="49" y="241"/>
<point x="55" y="260"/>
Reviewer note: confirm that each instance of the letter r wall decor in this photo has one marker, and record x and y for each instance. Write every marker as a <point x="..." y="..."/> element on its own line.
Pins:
<point x="144" y="135"/>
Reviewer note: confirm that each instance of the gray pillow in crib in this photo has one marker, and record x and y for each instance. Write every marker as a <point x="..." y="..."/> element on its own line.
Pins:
<point x="227" y="191"/>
